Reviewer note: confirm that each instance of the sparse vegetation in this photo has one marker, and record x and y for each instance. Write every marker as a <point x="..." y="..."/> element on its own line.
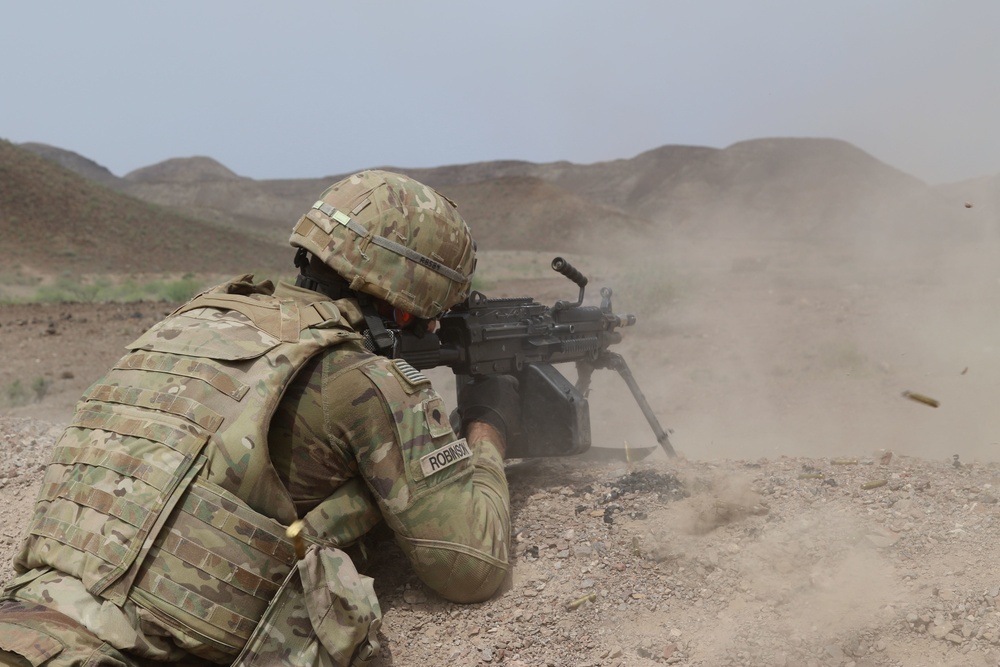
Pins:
<point x="40" y="386"/>
<point x="16" y="277"/>
<point x="71" y="288"/>
<point x="17" y="393"/>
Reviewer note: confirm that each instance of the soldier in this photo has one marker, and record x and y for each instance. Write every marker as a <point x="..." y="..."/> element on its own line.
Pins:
<point x="161" y="529"/>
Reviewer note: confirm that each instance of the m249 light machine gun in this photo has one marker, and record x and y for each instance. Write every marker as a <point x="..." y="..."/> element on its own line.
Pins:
<point x="524" y="338"/>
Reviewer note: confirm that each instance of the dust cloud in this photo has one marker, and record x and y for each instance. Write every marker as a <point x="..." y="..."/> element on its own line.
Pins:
<point x="784" y="338"/>
<point x="775" y="338"/>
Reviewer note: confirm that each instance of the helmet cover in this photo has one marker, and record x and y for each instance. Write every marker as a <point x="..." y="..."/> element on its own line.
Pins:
<point x="394" y="238"/>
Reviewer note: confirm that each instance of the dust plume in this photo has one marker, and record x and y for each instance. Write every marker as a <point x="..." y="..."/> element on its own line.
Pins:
<point x="795" y="329"/>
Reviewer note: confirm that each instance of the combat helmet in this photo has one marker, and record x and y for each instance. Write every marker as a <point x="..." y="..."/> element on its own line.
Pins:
<point x="393" y="238"/>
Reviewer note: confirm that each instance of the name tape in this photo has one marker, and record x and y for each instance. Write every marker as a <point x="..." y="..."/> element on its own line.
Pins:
<point x="446" y="456"/>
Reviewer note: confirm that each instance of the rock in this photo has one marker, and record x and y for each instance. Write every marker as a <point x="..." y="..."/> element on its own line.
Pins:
<point x="414" y="596"/>
<point x="940" y="631"/>
<point x="834" y="653"/>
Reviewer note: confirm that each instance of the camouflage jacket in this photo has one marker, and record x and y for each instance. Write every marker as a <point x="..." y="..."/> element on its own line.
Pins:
<point x="351" y="416"/>
<point x="168" y="491"/>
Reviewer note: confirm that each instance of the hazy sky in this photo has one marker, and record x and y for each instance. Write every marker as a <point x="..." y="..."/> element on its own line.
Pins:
<point x="310" y="88"/>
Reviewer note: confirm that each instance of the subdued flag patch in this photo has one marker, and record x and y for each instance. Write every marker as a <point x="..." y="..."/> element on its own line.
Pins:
<point x="411" y="375"/>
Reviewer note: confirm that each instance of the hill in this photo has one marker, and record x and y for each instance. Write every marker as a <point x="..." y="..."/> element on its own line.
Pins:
<point x="791" y="294"/>
<point x="203" y="188"/>
<point x="75" y="162"/>
<point x="779" y="188"/>
<point x="528" y="213"/>
<point x="56" y="221"/>
<point x="818" y="188"/>
<point x="763" y="202"/>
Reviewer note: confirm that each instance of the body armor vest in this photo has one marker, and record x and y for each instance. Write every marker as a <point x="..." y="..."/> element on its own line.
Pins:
<point x="161" y="489"/>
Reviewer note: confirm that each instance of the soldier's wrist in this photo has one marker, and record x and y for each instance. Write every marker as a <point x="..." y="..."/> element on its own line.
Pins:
<point x="480" y="433"/>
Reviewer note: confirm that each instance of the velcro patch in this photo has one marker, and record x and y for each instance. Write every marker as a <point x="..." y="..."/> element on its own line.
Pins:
<point x="411" y="375"/>
<point x="436" y="417"/>
<point x="446" y="456"/>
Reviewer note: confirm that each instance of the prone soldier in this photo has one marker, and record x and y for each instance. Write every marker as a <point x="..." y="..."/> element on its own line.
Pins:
<point x="160" y="531"/>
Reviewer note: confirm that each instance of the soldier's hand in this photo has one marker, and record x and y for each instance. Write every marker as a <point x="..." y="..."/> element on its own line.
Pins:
<point x="493" y="400"/>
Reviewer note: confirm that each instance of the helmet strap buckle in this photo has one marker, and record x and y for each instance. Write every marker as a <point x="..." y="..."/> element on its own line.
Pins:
<point x="384" y="341"/>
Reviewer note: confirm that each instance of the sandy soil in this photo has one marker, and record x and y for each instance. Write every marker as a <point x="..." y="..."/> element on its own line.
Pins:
<point x="816" y="516"/>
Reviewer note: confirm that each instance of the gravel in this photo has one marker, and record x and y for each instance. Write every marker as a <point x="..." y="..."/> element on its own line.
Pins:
<point x="885" y="560"/>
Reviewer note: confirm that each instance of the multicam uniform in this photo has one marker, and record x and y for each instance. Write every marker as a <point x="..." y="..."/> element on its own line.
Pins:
<point x="159" y="529"/>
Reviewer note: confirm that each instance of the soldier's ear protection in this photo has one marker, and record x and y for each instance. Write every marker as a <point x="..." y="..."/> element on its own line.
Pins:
<point x="402" y="318"/>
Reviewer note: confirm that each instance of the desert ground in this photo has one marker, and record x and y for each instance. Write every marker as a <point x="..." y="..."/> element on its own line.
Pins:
<point x="814" y="515"/>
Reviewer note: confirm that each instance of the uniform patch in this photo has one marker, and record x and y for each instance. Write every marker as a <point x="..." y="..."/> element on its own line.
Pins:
<point x="446" y="456"/>
<point x="413" y="377"/>
<point x="436" y="416"/>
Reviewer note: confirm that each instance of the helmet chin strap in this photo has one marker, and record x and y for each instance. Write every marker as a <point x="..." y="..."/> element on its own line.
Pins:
<point x="330" y="285"/>
<point x="381" y="338"/>
<point x="378" y="339"/>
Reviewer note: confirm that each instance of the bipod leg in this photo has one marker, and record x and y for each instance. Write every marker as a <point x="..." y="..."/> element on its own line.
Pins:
<point x="584" y="372"/>
<point x="617" y="361"/>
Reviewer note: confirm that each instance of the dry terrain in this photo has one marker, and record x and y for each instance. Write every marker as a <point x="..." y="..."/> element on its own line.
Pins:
<point x="815" y="516"/>
<point x="788" y="294"/>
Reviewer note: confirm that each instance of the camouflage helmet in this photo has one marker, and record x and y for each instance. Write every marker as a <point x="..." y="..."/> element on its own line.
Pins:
<point x="394" y="238"/>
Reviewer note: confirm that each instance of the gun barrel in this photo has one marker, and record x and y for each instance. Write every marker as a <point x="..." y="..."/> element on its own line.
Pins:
<point x="626" y="320"/>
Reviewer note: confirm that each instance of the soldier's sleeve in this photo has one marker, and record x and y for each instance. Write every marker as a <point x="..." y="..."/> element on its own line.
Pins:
<point x="445" y="500"/>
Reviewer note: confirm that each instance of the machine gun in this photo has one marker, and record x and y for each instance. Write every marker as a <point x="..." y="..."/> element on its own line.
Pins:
<point x="524" y="338"/>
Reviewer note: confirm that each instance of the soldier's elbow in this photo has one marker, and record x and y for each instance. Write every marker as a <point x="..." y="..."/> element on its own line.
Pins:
<point x="458" y="573"/>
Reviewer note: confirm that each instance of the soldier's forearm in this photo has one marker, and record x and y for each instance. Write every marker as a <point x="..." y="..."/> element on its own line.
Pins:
<point x="481" y="433"/>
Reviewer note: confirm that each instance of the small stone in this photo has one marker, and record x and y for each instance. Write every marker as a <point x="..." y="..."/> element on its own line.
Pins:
<point x="413" y="596"/>
<point x="940" y="631"/>
<point x="835" y="653"/>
